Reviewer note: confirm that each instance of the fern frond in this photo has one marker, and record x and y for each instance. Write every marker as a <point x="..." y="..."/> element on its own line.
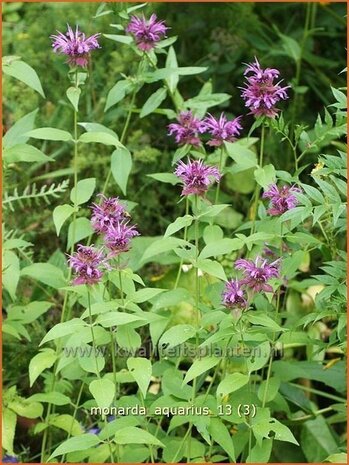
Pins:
<point x="32" y="194"/>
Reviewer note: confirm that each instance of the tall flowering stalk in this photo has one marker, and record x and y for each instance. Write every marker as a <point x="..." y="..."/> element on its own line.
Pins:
<point x="261" y="95"/>
<point x="196" y="178"/>
<point x="77" y="48"/>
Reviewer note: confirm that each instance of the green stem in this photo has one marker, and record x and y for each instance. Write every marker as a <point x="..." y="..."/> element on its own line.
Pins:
<point x="182" y="442"/>
<point x="198" y="315"/>
<point x="257" y="188"/>
<point x="319" y="393"/>
<point x="74" y="415"/>
<point x="197" y="282"/>
<point x="220" y="170"/>
<point x="123" y="136"/>
<point x="299" y="66"/>
<point x="75" y="169"/>
<point x="63" y="314"/>
<point x="120" y="279"/>
<point x="150" y="447"/>
<point x="94" y="346"/>
<point x="274" y="333"/>
<point x="185" y="238"/>
<point x="113" y="358"/>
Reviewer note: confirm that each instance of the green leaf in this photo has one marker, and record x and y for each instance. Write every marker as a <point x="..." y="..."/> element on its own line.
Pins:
<point x="103" y="391"/>
<point x="231" y="383"/>
<point x="242" y="155"/>
<point x="220" y="247"/>
<point x="317" y="440"/>
<point x="203" y="102"/>
<point x="24" y="153"/>
<point x="100" y="137"/>
<point x="110" y="319"/>
<point x="96" y="127"/>
<point x="153" y="102"/>
<point x="66" y="423"/>
<point x="119" y="38"/>
<point x="55" y="398"/>
<point x="83" y="442"/>
<point x="63" y="329"/>
<point x="82" y="229"/>
<point x="171" y="298"/>
<point x="26" y="409"/>
<point x="73" y="94"/>
<point x="60" y="215"/>
<point x="121" y="165"/>
<point x="263" y="320"/>
<point x="45" y="273"/>
<point x="221" y="436"/>
<point x="117" y="93"/>
<point x="211" y="211"/>
<point x="25" y="73"/>
<point x="212" y="233"/>
<point x="169" y="178"/>
<point x="15" y="135"/>
<point x="272" y="389"/>
<point x="265" y="176"/>
<point x="340" y="97"/>
<point x="50" y="134"/>
<point x="40" y="362"/>
<point x="171" y="62"/>
<point x="91" y="361"/>
<point x="178" y="224"/>
<point x="259" y="356"/>
<point x="199" y="367"/>
<point x="134" y="435"/>
<point x="141" y="370"/>
<point x="160" y="246"/>
<point x="213" y="268"/>
<point x="164" y="73"/>
<point x="177" y="335"/>
<point x="9" y="420"/>
<point x="11" y="272"/>
<point x="83" y="191"/>
<point x="144" y="295"/>
<point x="337" y="458"/>
<point x="282" y="433"/>
<point x="128" y="338"/>
<point x="291" y="47"/>
<point x="260" y="453"/>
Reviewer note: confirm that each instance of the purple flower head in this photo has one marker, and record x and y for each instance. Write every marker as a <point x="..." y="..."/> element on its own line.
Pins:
<point x="87" y="263"/>
<point x="118" y="237"/>
<point x="146" y="32"/>
<point x="281" y="200"/>
<point x="257" y="273"/>
<point x="221" y="129"/>
<point x="75" y="45"/>
<point x="9" y="459"/>
<point x="261" y="94"/>
<point x="196" y="176"/>
<point x="107" y="213"/>
<point x="187" y="129"/>
<point x="233" y="295"/>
